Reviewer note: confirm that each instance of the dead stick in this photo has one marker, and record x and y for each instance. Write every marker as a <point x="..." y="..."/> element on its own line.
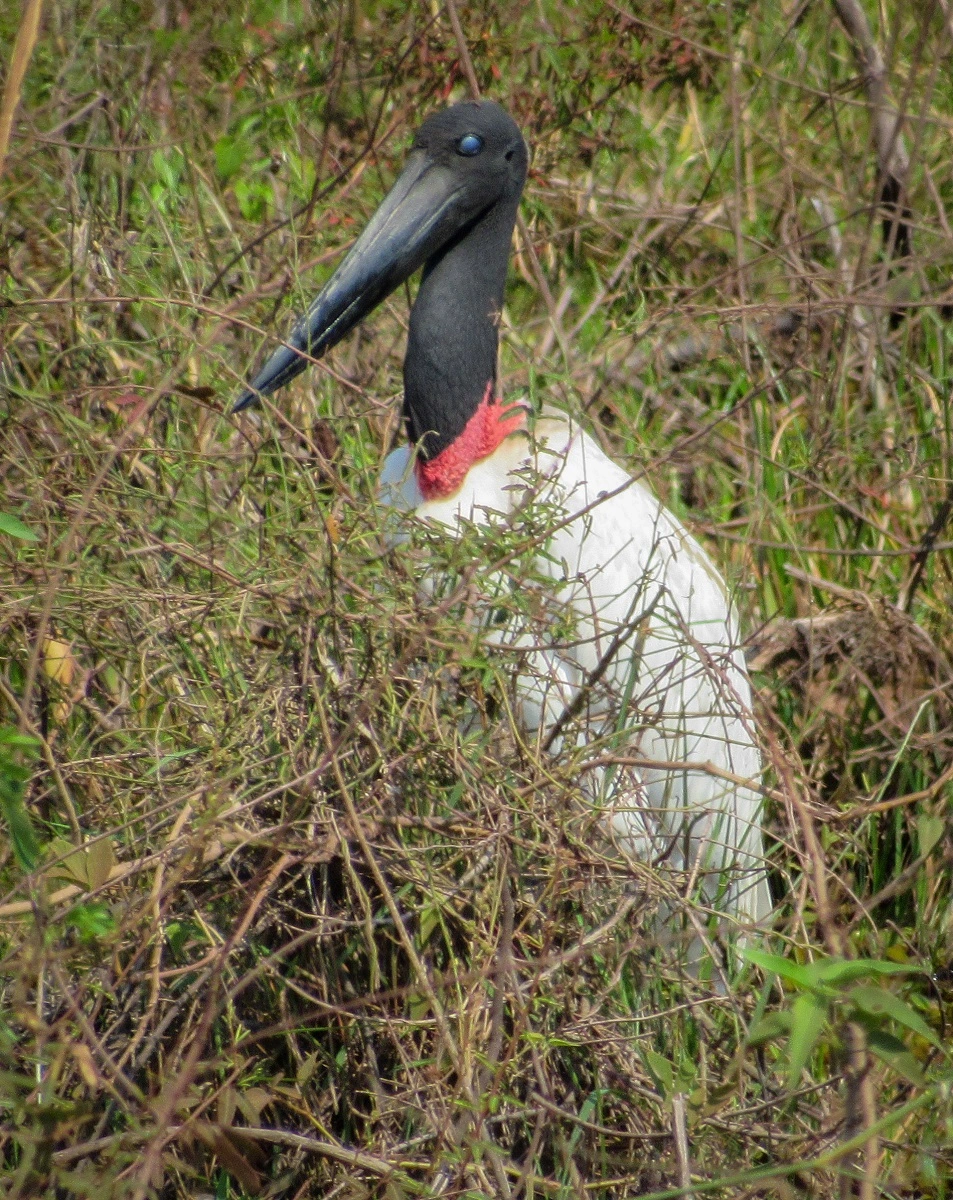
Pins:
<point x="680" y="1133"/>
<point x="19" y="61"/>
<point x="893" y="161"/>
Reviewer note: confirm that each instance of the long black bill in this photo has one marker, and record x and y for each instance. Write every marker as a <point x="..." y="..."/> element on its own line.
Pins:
<point x="425" y="207"/>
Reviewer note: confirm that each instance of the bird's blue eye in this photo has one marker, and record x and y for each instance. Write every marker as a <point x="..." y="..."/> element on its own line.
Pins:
<point x="469" y="145"/>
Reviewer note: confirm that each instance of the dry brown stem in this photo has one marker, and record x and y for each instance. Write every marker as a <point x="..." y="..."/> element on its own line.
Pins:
<point x="893" y="160"/>
<point x="16" y="73"/>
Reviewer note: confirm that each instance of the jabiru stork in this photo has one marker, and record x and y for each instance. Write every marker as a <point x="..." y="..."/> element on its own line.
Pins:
<point x="652" y="670"/>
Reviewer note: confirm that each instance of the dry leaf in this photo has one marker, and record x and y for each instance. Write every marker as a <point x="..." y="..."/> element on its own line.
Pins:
<point x="59" y="665"/>
<point x="61" y="668"/>
<point x="252" y="1102"/>
<point x="225" y="1147"/>
<point x="100" y="861"/>
<point x="85" y="1065"/>
<point x="227" y="1103"/>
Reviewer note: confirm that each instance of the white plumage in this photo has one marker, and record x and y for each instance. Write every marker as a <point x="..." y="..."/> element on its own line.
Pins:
<point x="653" y="657"/>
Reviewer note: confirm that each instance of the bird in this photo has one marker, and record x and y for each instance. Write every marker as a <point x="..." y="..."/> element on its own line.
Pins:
<point x="633" y="658"/>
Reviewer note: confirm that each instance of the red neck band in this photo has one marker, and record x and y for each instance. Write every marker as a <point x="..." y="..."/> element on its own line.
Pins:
<point x="490" y="424"/>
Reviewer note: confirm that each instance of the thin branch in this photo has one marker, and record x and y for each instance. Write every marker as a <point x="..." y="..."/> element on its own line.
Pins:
<point x="680" y="1134"/>
<point x="466" y="62"/>
<point x="19" y="61"/>
<point x="893" y="161"/>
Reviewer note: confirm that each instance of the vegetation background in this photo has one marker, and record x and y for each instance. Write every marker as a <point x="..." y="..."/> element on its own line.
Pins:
<point x="273" y="923"/>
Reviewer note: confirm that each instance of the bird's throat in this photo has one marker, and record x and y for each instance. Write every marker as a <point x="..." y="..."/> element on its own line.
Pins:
<point x="439" y="477"/>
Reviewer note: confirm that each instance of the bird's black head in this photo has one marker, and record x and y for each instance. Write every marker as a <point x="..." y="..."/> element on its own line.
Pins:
<point x="480" y="145"/>
<point x="464" y="174"/>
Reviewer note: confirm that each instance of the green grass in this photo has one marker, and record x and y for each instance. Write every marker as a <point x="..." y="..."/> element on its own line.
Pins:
<point x="231" y="681"/>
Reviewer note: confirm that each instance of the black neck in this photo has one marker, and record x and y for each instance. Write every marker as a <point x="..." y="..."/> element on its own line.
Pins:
<point x="453" y="338"/>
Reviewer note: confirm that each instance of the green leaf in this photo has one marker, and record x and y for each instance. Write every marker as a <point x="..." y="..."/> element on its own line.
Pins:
<point x="772" y="1026"/>
<point x="662" y="1072"/>
<point x="686" y="1075"/>
<point x="775" y="965"/>
<point x="26" y="844"/>
<point x="230" y="155"/>
<point x="15" y="528"/>
<point x="929" y="832"/>
<point x="9" y="736"/>
<point x="878" y="1002"/>
<point x="14" y="776"/>
<point x="808" y="1016"/>
<point x="254" y="197"/>
<point x="846" y="970"/>
<point x="824" y="972"/>
<point x="896" y="1055"/>
<point x="418" y="1006"/>
<point x="92" y="921"/>
<point x="89" y="866"/>
<point x="429" y="920"/>
<point x="475" y="664"/>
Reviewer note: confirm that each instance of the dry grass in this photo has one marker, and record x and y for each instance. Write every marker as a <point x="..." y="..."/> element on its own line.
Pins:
<point x="325" y="937"/>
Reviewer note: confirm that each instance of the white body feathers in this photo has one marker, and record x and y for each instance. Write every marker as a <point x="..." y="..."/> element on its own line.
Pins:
<point x="651" y="674"/>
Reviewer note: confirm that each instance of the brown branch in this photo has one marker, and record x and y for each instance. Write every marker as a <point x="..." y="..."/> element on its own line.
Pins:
<point x="19" y="61"/>
<point x="859" y="1174"/>
<point x="893" y="161"/>
<point x="466" y="65"/>
<point x="927" y="546"/>
<point x="280" y="1137"/>
<point x="466" y="62"/>
<point x="680" y="1135"/>
<point x="601" y="1130"/>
